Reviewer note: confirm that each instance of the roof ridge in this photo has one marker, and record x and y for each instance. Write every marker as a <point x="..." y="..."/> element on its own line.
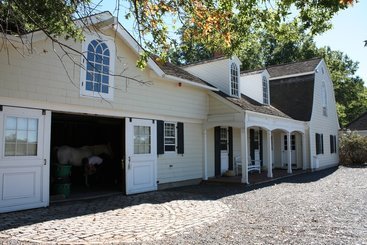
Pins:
<point x="294" y="62"/>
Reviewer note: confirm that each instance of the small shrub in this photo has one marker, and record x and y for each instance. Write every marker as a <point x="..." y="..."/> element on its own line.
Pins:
<point x="352" y="149"/>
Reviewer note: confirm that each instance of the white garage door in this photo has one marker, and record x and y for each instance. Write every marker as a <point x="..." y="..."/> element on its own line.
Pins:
<point x="24" y="158"/>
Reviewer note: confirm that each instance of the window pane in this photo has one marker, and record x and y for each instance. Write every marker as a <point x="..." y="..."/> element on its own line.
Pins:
<point x="32" y="124"/>
<point x="98" y="68"/>
<point x="22" y="136"/>
<point x="9" y="149"/>
<point x="22" y="123"/>
<point x="105" y="79"/>
<point x="169" y="140"/>
<point x="21" y="150"/>
<point x="142" y="140"/>
<point x="11" y="123"/>
<point x="32" y="136"/>
<point x="106" y="60"/>
<point x="32" y="150"/>
<point x="89" y="86"/>
<point x="98" y="58"/>
<point x="96" y="87"/>
<point x="10" y="136"/>
<point x="105" y="89"/>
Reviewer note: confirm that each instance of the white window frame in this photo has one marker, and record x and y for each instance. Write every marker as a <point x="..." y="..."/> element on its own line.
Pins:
<point x="265" y="86"/>
<point x="324" y="99"/>
<point x="111" y="46"/>
<point x="234" y="86"/>
<point x="175" y="137"/>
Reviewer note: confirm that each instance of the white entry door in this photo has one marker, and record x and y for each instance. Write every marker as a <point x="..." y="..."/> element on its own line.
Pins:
<point x="141" y="156"/>
<point x="24" y="158"/>
<point x="285" y="151"/>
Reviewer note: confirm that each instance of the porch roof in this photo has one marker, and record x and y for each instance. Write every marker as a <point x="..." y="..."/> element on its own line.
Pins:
<point x="246" y="103"/>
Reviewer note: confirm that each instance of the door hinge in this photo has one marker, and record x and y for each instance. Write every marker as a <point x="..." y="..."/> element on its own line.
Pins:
<point x="44" y="162"/>
<point x="43" y="112"/>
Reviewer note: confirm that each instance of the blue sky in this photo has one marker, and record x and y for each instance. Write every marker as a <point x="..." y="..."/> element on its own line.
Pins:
<point x="348" y="33"/>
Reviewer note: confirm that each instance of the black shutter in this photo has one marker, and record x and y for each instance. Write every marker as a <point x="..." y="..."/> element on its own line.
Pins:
<point x="322" y="144"/>
<point x="261" y="146"/>
<point x="252" y="144"/>
<point x="160" y="137"/>
<point x="317" y="139"/>
<point x="217" y="150"/>
<point x="230" y="148"/>
<point x="180" y="138"/>
<point x="331" y="144"/>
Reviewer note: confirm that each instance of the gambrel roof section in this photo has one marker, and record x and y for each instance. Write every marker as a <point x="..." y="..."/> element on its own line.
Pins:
<point x="248" y="104"/>
<point x="294" y="69"/>
<point x="293" y="96"/>
<point x="359" y="123"/>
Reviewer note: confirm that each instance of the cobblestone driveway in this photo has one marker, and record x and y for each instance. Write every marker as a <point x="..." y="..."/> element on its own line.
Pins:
<point x="319" y="208"/>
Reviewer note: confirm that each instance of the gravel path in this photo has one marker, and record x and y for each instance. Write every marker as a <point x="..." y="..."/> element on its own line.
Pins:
<point x="326" y="207"/>
<point x="329" y="210"/>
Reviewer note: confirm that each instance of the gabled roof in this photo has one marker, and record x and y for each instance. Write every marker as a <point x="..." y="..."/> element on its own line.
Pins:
<point x="294" y="69"/>
<point x="293" y="96"/>
<point x="248" y="104"/>
<point x="213" y="59"/>
<point x="359" y="123"/>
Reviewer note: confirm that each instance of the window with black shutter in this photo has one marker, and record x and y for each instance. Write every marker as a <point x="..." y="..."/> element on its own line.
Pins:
<point x="170" y="137"/>
<point x="319" y="144"/>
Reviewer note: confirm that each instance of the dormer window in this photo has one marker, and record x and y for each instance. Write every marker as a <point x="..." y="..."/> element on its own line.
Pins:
<point x="265" y="90"/>
<point x="324" y="99"/>
<point x="234" y="80"/>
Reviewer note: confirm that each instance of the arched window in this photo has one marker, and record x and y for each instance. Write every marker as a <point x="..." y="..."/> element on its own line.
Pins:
<point x="98" y="67"/>
<point x="234" y="79"/>
<point x="265" y="90"/>
<point x="324" y="99"/>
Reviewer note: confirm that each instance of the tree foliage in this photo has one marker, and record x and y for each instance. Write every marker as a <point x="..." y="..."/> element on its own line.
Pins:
<point x="219" y="25"/>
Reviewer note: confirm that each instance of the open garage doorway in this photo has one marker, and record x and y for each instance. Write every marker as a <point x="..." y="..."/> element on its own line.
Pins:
<point x="94" y="146"/>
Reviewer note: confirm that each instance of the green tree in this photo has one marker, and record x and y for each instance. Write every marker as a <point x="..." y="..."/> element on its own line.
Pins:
<point x="219" y="25"/>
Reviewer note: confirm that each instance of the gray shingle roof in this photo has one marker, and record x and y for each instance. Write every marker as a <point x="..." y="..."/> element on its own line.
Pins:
<point x="293" y="96"/>
<point x="293" y="68"/>
<point x="173" y="70"/>
<point x="359" y="124"/>
<point x="248" y="104"/>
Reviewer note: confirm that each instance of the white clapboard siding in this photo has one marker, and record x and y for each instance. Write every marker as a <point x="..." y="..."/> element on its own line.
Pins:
<point x="175" y="167"/>
<point x="215" y="72"/>
<point x="41" y="77"/>
<point x="217" y="107"/>
<point x="326" y="125"/>
<point x="251" y="85"/>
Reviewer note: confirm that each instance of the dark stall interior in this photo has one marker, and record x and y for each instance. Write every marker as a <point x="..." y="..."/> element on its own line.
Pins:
<point x="86" y="153"/>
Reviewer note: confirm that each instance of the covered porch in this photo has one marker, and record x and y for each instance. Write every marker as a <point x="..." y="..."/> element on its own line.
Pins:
<point x="253" y="147"/>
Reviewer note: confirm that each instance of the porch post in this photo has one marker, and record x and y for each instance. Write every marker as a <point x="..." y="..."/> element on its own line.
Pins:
<point x="304" y="167"/>
<point x="244" y="154"/>
<point x="205" y="163"/>
<point x="270" y="157"/>
<point x="289" y="152"/>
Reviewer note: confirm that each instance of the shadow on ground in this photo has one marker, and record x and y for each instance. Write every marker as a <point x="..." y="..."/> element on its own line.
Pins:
<point x="204" y="191"/>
